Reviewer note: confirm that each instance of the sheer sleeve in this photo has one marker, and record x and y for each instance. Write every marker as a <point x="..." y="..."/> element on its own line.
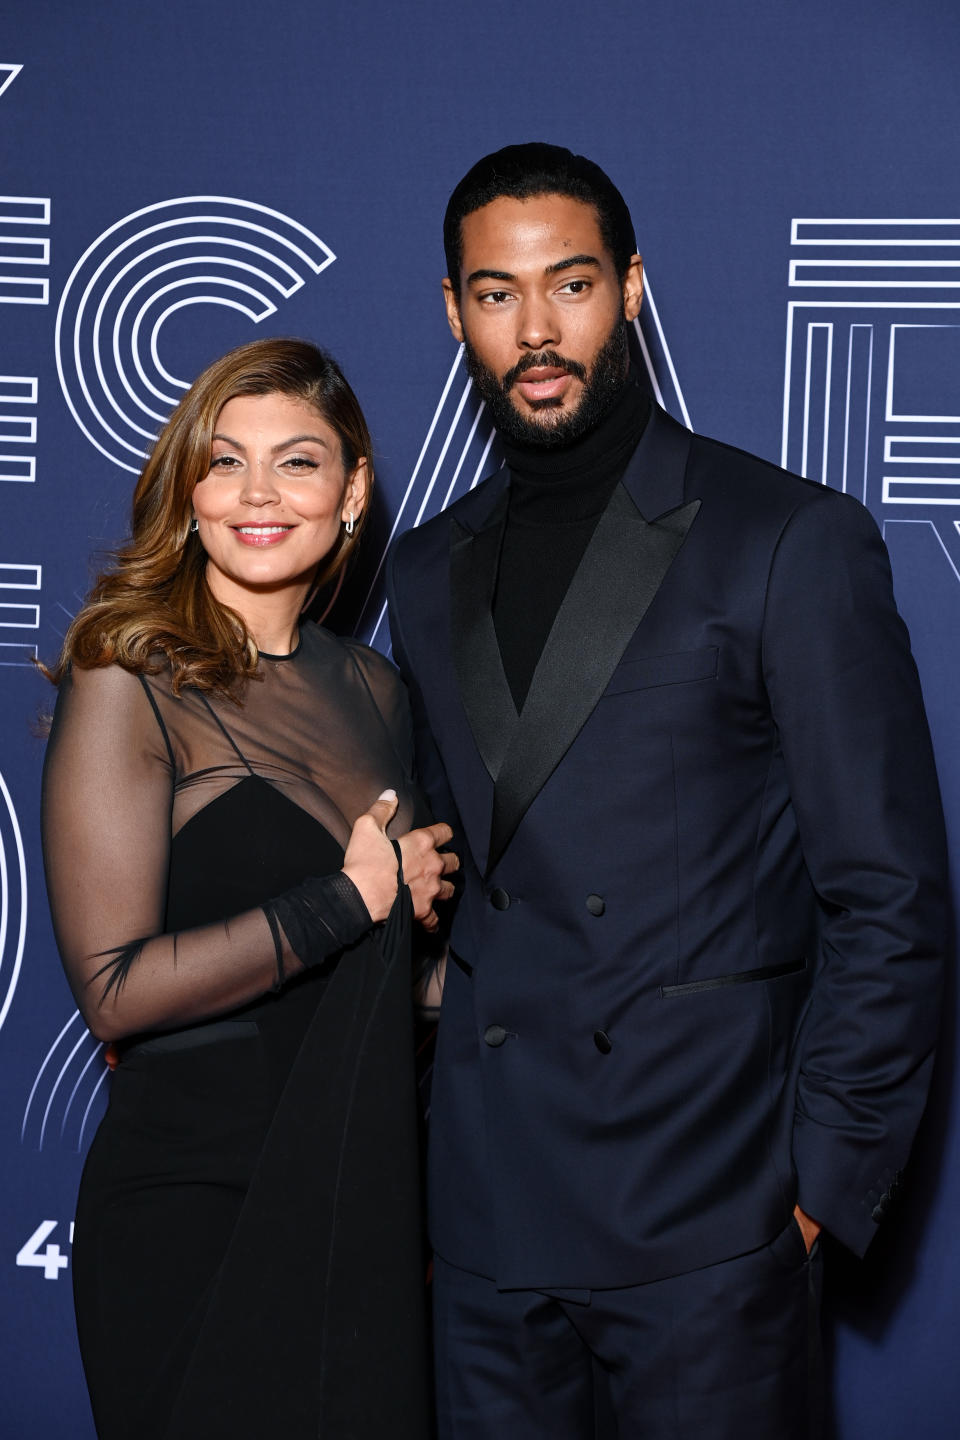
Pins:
<point x="389" y="694"/>
<point x="107" y="797"/>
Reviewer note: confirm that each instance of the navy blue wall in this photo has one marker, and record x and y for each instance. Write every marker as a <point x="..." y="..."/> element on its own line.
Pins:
<point x="181" y="177"/>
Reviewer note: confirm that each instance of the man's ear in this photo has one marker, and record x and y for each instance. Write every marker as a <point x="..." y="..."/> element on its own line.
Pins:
<point x="633" y="288"/>
<point x="453" y="309"/>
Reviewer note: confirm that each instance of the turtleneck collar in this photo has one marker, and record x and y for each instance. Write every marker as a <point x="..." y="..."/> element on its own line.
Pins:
<point x="556" y="487"/>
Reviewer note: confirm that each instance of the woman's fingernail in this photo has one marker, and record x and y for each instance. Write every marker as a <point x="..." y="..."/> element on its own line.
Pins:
<point x="388" y="795"/>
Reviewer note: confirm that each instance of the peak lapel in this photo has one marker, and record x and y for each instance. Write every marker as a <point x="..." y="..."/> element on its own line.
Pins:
<point x="620" y="573"/>
<point x="481" y="679"/>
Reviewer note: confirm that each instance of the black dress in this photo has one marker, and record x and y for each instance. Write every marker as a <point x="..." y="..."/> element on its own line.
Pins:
<point x="247" y="1250"/>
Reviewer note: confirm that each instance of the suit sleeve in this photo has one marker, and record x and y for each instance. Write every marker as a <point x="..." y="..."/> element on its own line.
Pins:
<point x="847" y="705"/>
<point x="430" y="771"/>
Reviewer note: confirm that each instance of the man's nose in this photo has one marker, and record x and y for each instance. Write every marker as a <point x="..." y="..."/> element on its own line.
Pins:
<point x="537" y="325"/>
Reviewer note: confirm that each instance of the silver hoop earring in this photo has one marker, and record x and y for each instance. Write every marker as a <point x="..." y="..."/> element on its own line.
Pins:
<point x="349" y="525"/>
<point x="194" y="525"/>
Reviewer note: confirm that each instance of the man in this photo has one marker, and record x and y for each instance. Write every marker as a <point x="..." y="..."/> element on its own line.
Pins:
<point x="663" y="694"/>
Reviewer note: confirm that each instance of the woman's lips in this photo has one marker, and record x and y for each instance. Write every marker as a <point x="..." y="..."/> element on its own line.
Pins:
<point x="261" y="534"/>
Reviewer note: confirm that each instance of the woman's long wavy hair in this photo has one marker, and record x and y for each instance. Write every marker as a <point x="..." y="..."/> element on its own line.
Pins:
<point x="153" y="608"/>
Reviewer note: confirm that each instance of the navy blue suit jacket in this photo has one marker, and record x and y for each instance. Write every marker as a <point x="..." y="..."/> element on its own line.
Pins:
<point x="698" y="950"/>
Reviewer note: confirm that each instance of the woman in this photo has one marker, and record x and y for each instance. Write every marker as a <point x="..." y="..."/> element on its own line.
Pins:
<point x="221" y="788"/>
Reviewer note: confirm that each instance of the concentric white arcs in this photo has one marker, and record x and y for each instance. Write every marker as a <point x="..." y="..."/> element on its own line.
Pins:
<point x="68" y="1095"/>
<point x="13" y="901"/>
<point x="198" y="250"/>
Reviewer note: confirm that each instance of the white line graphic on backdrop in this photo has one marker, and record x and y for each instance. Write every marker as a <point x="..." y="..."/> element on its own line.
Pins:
<point x="16" y="429"/>
<point x="68" y="1073"/>
<point x="18" y="614"/>
<point x="195" y="250"/>
<point x="13" y="901"/>
<point x="19" y="251"/>
<point x="8" y="73"/>
<point x="455" y="454"/>
<point x="872" y="367"/>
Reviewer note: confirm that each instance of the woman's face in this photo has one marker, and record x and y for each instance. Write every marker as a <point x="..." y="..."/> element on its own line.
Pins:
<point x="274" y="499"/>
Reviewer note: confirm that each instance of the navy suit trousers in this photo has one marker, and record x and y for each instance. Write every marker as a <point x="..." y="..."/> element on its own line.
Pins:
<point x="728" y="1352"/>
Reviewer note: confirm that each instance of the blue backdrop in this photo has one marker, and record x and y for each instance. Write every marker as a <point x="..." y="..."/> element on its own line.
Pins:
<point x="180" y="177"/>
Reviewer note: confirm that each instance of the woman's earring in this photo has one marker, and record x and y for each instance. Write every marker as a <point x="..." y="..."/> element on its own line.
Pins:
<point x="349" y="525"/>
<point x="194" y="525"/>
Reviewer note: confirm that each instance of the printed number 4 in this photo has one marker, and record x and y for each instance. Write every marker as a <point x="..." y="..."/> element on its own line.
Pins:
<point x="49" y="1260"/>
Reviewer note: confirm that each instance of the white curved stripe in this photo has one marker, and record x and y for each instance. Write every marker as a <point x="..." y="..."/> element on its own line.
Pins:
<point x="86" y="1113"/>
<point x="266" y="307"/>
<point x="98" y="365"/>
<point x="223" y="302"/>
<point x="79" y="1081"/>
<point x="212" y="200"/>
<point x="4" y="898"/>
<point x="179" y="263"/>
<point x="49" y="1055"/>
<point x="22" y="932"/>
<point x="140" y="235"/>
<point x="317" y="266"/>
<point x="56" y="1085"/>
<point x="145" y="280"/>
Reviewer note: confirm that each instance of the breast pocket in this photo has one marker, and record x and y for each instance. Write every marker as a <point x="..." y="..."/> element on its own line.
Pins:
<point x="682" y="667"/>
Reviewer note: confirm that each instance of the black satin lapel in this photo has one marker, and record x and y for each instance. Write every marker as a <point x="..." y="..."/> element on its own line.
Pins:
<point x="476" y="654"/>
<point x="621" y="571"/>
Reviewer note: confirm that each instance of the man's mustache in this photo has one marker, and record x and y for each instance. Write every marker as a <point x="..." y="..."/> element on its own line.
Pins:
<point x="546" y="359"/>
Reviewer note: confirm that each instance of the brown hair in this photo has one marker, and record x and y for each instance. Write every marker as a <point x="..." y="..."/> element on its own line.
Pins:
<point x="153" y="607"/>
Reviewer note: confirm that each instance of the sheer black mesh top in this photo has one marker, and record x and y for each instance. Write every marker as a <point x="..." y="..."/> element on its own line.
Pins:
<point x="158" y="928"/>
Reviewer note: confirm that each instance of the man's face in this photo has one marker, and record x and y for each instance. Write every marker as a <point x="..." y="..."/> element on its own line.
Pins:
<point x="542" y="316"/>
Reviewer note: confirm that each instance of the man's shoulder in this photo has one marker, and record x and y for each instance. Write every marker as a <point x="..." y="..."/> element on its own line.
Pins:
<point x="731" y="465"/>
<point x="728" y="474"/>
<point x="433" y="535"/>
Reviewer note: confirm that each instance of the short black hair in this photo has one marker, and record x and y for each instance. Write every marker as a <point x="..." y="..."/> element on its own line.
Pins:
<point x="521" y="171"/>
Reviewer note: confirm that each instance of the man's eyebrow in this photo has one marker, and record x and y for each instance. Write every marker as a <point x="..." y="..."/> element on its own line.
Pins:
<point x="573" y="262"/>
<point x="489" y="275"/>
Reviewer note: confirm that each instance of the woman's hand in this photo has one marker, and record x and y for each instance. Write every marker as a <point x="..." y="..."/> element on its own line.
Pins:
<point x="370" y="860"/>
<point x="371" y="863"/>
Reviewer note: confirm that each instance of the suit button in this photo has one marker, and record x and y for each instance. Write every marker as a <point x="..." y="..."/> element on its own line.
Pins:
<point x="603" y="1042"/>
<point x="499" y="899"/>
<point x="596" y="904"/>
<point x="494" y="1035"/>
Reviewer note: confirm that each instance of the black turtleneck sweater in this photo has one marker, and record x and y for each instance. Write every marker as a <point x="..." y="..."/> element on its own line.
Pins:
<point x="556" y="499"/>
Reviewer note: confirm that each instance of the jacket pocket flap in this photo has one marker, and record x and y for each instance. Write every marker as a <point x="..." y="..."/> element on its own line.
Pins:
<point x="738" y="977"/>
<point x="676" y="669"/>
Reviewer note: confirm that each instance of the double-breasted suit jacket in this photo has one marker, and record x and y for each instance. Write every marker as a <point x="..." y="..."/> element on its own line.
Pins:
<point x="695" y="963"/>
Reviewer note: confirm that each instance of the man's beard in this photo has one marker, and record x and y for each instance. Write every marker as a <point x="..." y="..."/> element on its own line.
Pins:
<point x="559" y="427"/>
